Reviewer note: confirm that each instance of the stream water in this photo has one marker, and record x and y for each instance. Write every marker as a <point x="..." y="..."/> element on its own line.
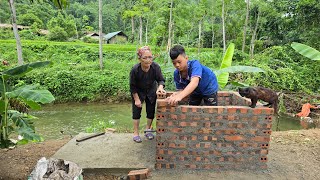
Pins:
<point x="58" y="120"/>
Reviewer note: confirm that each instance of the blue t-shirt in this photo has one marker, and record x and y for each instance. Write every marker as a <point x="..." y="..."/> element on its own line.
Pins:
<point x="208" y="83"/>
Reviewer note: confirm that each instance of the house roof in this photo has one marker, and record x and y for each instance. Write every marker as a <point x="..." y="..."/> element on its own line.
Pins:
<point x="110" y="35"/>
<point x="10" y="26"/>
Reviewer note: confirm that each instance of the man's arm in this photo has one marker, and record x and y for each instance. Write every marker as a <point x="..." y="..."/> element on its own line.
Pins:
<point x="185" y="92"/>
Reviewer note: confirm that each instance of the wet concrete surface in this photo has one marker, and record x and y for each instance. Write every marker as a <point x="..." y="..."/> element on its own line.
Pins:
<point x="112" y="152"/>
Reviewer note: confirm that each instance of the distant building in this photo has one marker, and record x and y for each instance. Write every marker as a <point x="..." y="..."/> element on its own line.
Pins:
<point x="20" y="27"/>
<point x="93" y="35"/>
<point x="116" y="38"/>
<point x="9" y="26"/>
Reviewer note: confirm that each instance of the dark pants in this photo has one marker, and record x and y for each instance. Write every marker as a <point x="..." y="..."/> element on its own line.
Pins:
<point x="210" y="100"/>
<point x="150" y="109"/>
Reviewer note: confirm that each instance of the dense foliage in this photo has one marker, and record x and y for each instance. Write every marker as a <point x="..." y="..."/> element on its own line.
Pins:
<point x="280" y="21"/>
<point x="75" y="74"/>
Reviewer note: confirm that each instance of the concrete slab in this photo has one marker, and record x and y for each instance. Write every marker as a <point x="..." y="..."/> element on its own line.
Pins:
<point x="109" y="151"/>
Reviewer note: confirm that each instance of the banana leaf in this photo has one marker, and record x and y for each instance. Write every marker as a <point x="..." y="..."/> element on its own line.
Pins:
<point x="226" y="62"/>
<point x="30" y="94"/>
<point x="236" y="69"/>
<point x="23" y="69"/>
<point x="306" y="51"/>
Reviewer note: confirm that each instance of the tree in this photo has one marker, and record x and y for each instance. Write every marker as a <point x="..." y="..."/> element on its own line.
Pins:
<point x="245" y="25"/>
<point x="100" y="35"/>
<point x="170" y="27"/>
<point x="223" y="27"/>
<point x="58" y="3"/>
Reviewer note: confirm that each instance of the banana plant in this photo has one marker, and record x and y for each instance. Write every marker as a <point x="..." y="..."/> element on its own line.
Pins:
<point x="226" y="68"/>
<point x="15" y="102"/>
<point x="306" y="51"/>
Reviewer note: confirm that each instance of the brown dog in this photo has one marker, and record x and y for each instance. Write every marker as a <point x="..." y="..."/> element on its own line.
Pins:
<point x="261" y="93"/>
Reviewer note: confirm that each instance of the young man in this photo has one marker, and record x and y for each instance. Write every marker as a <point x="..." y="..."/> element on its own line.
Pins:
<point x="192" y="78"/>
<point x="146" y="80"/>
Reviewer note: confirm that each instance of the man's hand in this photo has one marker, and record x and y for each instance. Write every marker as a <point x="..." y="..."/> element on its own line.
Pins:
<point x="173" y="99"/>
<point x="138" y="103"/>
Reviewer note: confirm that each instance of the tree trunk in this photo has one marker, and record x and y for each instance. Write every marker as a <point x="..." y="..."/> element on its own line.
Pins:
<point x="212" y="39"/>
<point x="170" y="27"/>
<point x="15" y="31"/>
<point x="147" y="32"/>
<point x="140" y="31"/>
<point x="223" y="28"/>
<point x="100" y="35"/>
<point x="245" y="26"/>
<point x="254" y="34"/>
<point x="132" y="29"/>
<point x="199" y="36"/>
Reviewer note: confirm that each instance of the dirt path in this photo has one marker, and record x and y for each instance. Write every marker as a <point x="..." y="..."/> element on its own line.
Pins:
<point x="292" y="155"/>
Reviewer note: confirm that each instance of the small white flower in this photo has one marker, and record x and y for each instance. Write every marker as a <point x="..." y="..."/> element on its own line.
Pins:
<point x="20" y="137"/>
<point x="112" y="122"/>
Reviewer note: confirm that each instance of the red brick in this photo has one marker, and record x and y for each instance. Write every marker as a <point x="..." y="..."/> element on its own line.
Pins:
<point x="184" y="109"/>
<point x="198" y="158"/>
<point x="267" y="132"/>
<point x="263" y="159"/>
<point x="220" y="110"/>
<point x="172" y="145"/>
<point x="269" y="125"/>
<point x="207" y="124"/>
<point x="183" y="124"/>
<point x="161" y="103"/>
<point x="257" y="111"/>
<point x="185" y="152"/>
<point x="219" y="118"/>
<point x="170" y="123"/>
<point x="230" y="131"/>
<point x="212" y="110"/>
<point x="159" y="158"/>
<point x="182" y="116"/>
<point x="243" y="111"/>
<point x="196" y="118"/>
<point x="161" y="151"/>
<point x="162" y="109"/>
<point x="139" y="174"/>
<point x="174" y="116"/>
<point x="231" y="118"/>
<point x="193" y="124"/>
<point x="233" y="138"/>
<point x="268" y="110"/>
<point x="194" y="109"/>
<point x="193" y="138"/>
<point x="176" y="130"/>
<point x="261" y="139"/>
<point x="264" y="151"/>
<point x="205" y="131"/>
<point x="160" y="123"/>
<point x="232" y="110"/>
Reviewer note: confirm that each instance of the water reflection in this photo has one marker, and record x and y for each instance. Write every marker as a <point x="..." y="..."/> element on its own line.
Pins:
<point x="55" y="121"/>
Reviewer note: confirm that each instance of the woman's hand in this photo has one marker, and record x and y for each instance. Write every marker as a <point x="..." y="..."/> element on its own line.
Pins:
<point x="138" y="103"/>
<point x="160" y="90"/>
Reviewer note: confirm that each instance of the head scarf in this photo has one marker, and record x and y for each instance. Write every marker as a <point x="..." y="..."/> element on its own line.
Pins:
<point x="142" y="50"/>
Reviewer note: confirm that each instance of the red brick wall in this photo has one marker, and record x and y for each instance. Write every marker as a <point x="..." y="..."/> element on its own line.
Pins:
<point x="229" y="136"/>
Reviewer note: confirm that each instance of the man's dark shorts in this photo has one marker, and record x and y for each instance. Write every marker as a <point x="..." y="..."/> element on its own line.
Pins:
<point x="211" y="100"/>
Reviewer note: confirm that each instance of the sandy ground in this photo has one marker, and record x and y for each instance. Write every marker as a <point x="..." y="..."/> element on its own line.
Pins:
<point x="292" y="155"/>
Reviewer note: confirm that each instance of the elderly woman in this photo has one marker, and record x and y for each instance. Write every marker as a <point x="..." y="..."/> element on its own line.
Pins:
<point x="146" y="80"/>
